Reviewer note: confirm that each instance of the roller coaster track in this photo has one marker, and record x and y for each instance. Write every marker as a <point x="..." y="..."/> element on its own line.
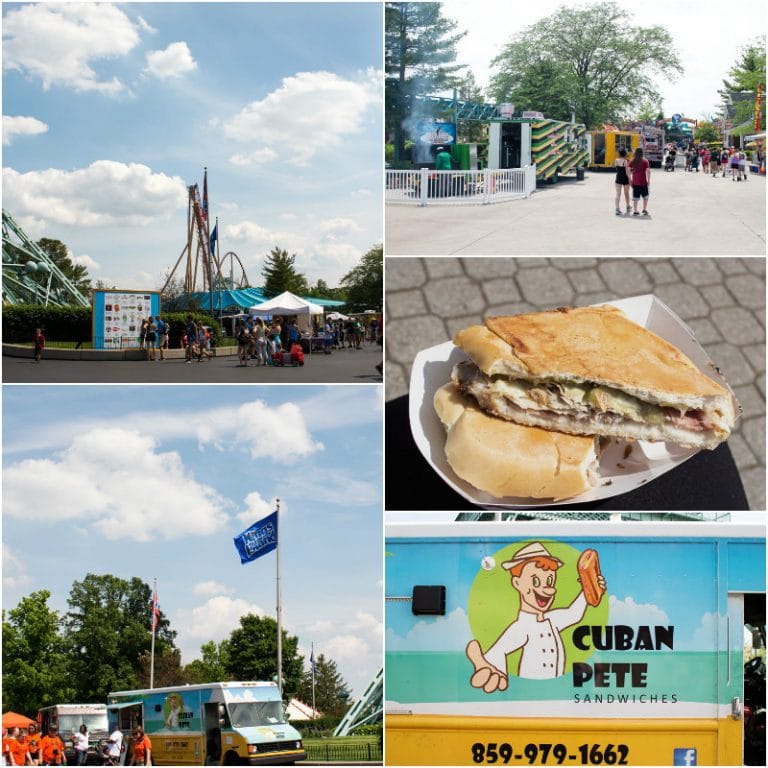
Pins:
<point x="23" y="259"/>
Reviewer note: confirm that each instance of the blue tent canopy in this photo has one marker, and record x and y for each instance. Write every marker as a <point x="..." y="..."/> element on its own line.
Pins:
<point x="239" y="299"/>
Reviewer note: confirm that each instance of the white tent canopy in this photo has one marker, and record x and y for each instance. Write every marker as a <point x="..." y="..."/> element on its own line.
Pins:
<point x="337" y="316"/>
<point x="287" y="304"/>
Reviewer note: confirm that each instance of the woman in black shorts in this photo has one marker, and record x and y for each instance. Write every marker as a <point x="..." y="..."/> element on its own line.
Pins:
<point x="622" y="180"/>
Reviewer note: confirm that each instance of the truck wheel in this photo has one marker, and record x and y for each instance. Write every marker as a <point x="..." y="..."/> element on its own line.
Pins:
<point x="232" y="758"/>
<point x="553" y="179"/>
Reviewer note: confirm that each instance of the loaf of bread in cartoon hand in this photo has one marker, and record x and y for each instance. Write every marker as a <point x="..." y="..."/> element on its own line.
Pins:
<point x="589" y="573"/>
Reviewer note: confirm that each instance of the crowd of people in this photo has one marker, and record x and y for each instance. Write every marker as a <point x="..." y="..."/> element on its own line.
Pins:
<point x="153" y="337"/>
<point x="25" y="746"/>
<point x="280" y="341"/>
<point x="728" y="162"/>
<point x="635" y="172"/>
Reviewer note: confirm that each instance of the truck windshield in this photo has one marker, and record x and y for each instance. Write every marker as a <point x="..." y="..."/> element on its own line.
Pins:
<point x="71" y="723"/>
<point x="256" y="713"/>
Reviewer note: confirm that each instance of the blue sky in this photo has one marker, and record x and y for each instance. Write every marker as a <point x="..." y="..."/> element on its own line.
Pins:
<point x="111" y="110"/>
<point x="156" y="481"/>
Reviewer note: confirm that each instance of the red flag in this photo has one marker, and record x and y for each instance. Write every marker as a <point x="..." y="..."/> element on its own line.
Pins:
<point x="155" y="613"/>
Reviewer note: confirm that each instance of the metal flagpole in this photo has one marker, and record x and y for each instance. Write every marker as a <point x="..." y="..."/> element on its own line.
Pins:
<point x="154" y="631"/>
<point x="279" y="616"/>
<point x="312" y="657"/>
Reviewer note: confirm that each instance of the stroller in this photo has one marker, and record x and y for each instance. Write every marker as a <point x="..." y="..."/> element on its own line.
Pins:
<point x="669" y="162"/>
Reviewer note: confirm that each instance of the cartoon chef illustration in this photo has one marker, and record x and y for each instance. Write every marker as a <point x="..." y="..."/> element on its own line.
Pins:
<point x="537" y="628"/>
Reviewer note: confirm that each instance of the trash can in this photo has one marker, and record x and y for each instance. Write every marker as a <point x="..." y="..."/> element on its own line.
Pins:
<point x="580" y="174"/>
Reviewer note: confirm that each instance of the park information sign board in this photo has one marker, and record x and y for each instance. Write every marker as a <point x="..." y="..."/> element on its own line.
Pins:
<point x="117" y="316"/>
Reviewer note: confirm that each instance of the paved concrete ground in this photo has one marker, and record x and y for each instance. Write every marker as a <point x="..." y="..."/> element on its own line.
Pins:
<point x="342" y="366"/>
<point x="691" y="214"/>
<point x="722" y="300"/>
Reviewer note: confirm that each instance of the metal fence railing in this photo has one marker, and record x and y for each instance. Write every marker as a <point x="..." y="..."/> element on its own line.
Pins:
<point x="429" y="187"/>
<point x="343" y="753"/>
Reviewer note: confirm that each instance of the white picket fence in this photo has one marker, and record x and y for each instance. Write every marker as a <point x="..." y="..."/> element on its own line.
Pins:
<point x="429" y="187"/>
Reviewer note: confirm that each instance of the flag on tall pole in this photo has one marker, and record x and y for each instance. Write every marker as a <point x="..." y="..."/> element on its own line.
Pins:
<point x="255" y="541"/>
<point x="154" y="620"/>
<point x="205" y="194"/>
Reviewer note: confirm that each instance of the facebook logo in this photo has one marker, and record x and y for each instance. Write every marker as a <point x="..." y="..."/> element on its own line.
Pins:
<point x="685" y="756"/>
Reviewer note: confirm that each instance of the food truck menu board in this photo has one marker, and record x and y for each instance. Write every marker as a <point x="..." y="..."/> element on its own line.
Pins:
<point x="117" y="317"/>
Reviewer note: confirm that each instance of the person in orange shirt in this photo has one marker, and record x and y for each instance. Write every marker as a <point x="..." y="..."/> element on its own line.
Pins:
<point x="33" y="745"/>
<point x="19" y="748"/>
<point x="52" y="748"/>
<point x="7" y="747"/>
<point x="142" y="748"/>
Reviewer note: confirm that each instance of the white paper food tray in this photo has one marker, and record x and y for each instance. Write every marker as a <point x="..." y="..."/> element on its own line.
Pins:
<point x="618" y="474"/>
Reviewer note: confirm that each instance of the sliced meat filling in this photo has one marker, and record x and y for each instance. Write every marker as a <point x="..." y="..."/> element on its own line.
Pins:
<point x="581" y="401"/>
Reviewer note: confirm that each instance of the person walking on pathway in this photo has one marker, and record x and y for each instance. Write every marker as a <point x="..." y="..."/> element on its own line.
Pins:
<point x="39" y="344"/>
<point x="641" y="180"/>
<point x="622" y="180"/>
<point x="734" y="161"/>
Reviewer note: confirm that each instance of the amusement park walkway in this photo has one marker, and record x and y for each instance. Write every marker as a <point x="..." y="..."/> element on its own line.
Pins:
<point x="722" y="300"/>
<point x="691" y="214"/>
<point x="342" y="366"/>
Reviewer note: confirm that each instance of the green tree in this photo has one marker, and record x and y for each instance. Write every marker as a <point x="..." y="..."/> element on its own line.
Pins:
<point x="589" y="60"/>
<point x="321" y="290"/>
<point x="706" y="133"/>
<point x="168" y="669"/>
<point x="107" y="631"/>
<point x="365" y="282"/>
<point x="59" y="254"/>
<point x="745" y="75"/>
<point x="331" y="692"/>
<point x="648" y="113"/>
<point x="35" y="670"/>
<point x="212" y="667"/>
<point x="420" y="55"/>
<point x="252" y="654"/>
<point x="471" y="131"/>
<point x="280" y="274"/>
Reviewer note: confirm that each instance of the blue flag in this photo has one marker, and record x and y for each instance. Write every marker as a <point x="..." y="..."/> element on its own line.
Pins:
<point x="214" y="237"/>
<point x="257" y="540"/>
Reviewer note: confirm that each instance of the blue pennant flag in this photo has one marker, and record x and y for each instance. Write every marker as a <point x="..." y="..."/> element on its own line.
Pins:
<point x="257" y="540"/>
<point x="214" y="237"/>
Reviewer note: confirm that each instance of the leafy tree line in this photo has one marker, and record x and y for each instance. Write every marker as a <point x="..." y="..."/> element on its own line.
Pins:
<point x="102" y="644"/>
<point x="361" y="288"/>
<point x="588" y="61"/>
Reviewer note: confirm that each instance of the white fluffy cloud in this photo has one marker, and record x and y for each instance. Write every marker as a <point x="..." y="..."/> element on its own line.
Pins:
<point x="211" y="588"/>
<point x="176" y="60"/>
<point x="21" y="125"/>
<point x="356" y="646"/>
<point x="257" y="507"/>
<point x="443" y="633"/>
<point x="216" y="618"/>
<point x="339" y="226"/>
<point x="103" y="194"/>
<point x="321" y="253"/>
<point x="635" y="614"/>
<point x="15" y="574"/>
<point x="308" y="113"/>
<point x="265" y="430"/>
<point x="121" y="482"/>
<point x="59" y="42"/>
<point x="85" y="261"/>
